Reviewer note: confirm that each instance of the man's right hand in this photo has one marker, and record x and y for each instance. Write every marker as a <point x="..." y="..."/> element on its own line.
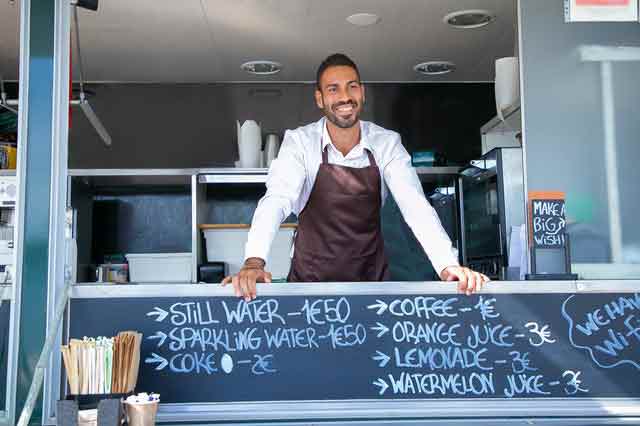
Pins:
<point x="244" y="282"/>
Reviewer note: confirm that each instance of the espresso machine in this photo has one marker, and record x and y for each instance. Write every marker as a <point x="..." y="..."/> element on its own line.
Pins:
<point x="8" y="193"/>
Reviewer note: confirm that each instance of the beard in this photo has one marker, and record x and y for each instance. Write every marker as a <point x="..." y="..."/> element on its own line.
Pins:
<point x="342" y="122"/>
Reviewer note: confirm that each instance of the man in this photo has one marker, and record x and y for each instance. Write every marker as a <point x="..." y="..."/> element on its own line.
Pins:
<point x="331" y="175"/>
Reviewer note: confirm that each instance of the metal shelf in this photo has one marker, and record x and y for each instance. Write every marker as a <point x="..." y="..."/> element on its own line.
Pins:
<point x="233" y="176"/>
<point x="133" y="172"/>
<point x="495" y="124"/>
<point x="426" y="174"/>
<point x="127" y="177"/>
<point x="429" y="171"/>
<point x="134" y="177"/>
<point x="439" y="175"/>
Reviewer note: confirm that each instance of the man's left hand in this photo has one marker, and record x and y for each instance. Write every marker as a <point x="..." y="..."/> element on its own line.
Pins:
<point x="469" y="281"/>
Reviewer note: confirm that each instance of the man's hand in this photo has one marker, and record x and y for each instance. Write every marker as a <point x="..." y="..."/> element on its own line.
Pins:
<point x="244" y="283"/>
<point x="468" y="280"/>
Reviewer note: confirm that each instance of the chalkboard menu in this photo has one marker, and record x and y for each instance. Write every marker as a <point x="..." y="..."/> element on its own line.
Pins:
<point x="548" y="223"/>
<point x="293" y="348"/>
<point x="5" y="310"/>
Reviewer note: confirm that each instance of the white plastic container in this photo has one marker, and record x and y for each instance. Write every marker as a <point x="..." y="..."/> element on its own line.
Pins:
<point x="159" y="267"/>
<point x="227" y="245"/>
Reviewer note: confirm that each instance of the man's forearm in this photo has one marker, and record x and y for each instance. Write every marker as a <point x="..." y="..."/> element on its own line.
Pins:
<point x="266" y="220"/>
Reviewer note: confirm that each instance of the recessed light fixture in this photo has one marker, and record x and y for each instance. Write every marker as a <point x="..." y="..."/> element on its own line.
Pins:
<point x="262" y="67"/>
<point x="472" y="18"/>
<point x="435" y="67"/>
<point x="363" y="19"/>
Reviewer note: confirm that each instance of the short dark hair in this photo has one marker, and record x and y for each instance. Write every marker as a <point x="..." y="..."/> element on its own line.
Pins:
<point x="335" y="60"/>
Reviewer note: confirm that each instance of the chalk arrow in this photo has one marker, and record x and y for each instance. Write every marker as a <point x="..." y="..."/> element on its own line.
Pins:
<point x="154" y="359"/>
<point x="159" y="335"/>
<point x="382" y="358"/>
<point x="379" y="305"/>
<point x="160" y="314"/>
<point x="382" y="384"/>
<point x="381" y="329"/>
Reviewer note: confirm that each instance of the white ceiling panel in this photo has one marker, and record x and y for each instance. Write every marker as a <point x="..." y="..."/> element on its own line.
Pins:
<point x="208" y="40"/>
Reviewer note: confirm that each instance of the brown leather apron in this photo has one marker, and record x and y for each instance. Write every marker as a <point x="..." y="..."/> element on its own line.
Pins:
<point x="339" y="236"/>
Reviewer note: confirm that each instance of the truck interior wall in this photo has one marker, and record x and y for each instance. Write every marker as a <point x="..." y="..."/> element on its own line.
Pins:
<point x="186" y="125"/>
<point x="565" y="127"/>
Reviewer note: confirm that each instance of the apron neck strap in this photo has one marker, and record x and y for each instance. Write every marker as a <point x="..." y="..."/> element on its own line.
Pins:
<point x="372" y="160"/>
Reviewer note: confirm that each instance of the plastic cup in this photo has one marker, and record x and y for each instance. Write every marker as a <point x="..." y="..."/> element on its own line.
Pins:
<point x="142" y="413"/>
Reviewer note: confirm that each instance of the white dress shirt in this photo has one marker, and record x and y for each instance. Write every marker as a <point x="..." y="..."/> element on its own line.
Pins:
<point x="293" y="173"/>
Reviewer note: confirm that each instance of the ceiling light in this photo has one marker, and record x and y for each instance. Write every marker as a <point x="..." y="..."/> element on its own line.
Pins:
<point x="363" y="19"/>
<point x="474" y="18"/>
<point x="261" y="67"/>
<point x="435" y="67"/>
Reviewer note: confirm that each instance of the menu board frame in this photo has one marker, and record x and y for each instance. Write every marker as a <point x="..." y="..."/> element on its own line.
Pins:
<point x="380" y="409"/>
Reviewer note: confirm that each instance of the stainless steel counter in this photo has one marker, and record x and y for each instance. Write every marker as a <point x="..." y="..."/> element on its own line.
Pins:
<point x="89" y="290"/>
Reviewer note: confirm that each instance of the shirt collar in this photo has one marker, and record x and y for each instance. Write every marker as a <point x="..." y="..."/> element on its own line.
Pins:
<point x="326" y="138"/>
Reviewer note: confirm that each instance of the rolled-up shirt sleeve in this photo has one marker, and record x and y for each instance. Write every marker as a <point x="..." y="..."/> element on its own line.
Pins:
<point x="405" y="186"/>
<point x="284" y="185"/>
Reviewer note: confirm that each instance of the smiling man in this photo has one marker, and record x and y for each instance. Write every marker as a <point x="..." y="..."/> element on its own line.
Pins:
<point x="334" y="175"/>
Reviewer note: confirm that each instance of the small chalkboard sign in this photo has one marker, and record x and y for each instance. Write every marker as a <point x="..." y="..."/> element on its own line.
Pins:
<point x="548" y="222"/>
<point x="548" y="240"/>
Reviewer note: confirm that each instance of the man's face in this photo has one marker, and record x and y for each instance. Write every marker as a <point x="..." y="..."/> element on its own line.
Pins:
<point x="341" y="96"/>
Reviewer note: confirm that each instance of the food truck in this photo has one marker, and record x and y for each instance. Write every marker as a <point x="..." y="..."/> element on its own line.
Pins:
<point x="138" y="138"/>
